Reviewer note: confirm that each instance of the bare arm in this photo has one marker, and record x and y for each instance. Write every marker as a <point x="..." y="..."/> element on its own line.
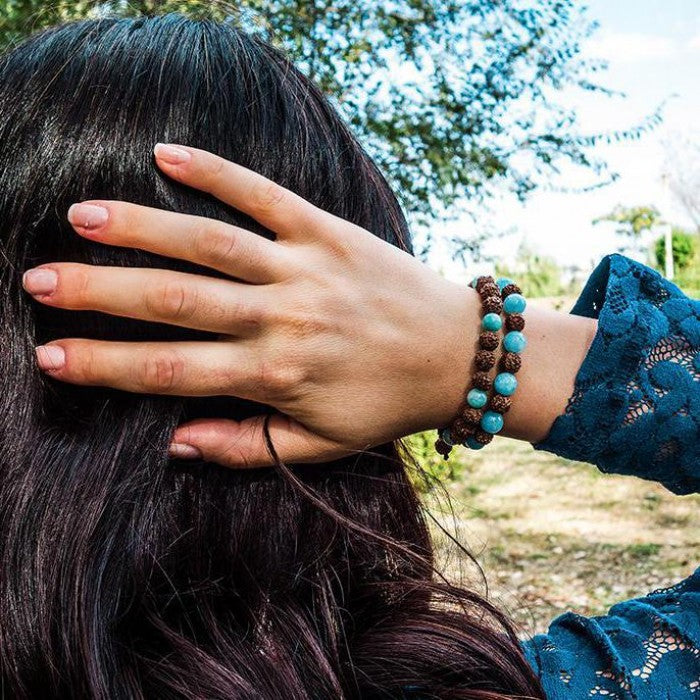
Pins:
<point x="353" y="341"/>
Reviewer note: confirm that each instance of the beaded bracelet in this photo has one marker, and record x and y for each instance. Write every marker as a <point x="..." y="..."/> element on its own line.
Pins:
<point x="471" y="411"/>
<point x="505" y="383"/>
<point x="475" y="427"/>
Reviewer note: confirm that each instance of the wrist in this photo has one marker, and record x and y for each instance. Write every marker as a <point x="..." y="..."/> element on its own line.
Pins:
<point x="460" y="318"/>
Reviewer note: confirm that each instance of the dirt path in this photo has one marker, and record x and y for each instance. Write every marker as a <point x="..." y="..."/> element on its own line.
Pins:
<point x="553" y="535"/>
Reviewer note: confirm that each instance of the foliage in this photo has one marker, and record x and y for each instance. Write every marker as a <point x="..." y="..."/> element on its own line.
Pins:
<point x="684" y="246"/>
<point x="433" y="470"/>
<point x="685" y="258"/>
<point x="537" y="275"/>
<point x="455" y="98"/>
<point x="633" y="223"/>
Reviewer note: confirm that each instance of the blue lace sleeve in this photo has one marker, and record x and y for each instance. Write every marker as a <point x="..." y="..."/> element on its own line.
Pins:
<point x="644" y="649"/>
<point x="635" y="410"/>
<point x="636" y="403"/>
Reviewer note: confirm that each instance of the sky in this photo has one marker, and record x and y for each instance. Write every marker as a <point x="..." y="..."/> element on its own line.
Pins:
<point x="653" y="51"/>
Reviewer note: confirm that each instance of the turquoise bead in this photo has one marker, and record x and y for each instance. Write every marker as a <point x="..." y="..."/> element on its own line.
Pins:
<point x="473" y="444"/>
<point x="503" y="282"/>
<point x="492" y="322"/>
<point x="514" y="342"/>
<point x="473" y="282"/>
<point x="446" y="437"/>
<point x="505" y="384"/>
<point x="492" y="422"/>
<point x="477" y="398"/>
<point x="514" y="304"/>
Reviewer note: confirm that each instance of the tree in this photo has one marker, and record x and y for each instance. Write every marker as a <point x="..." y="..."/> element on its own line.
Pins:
<point x="537" y="275"/>
<point x="632" y="225"/>
<point x="456" y="99"/>
<point x="684" y="246"/>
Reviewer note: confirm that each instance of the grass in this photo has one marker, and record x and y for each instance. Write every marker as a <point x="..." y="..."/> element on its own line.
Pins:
<point x="552" y="535"/>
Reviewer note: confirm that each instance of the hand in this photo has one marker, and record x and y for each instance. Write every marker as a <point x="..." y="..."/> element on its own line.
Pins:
<point x="353" y="341"/>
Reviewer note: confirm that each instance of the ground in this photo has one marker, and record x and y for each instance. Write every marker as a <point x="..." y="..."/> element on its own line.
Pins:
<point x="552" y="535"/>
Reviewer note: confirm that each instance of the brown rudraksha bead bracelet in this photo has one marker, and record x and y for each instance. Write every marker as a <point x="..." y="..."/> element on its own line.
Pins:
<point x="466" y="424"/>
<point x="480" y="416"/>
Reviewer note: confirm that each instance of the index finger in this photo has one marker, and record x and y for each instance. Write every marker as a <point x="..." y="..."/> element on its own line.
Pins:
<point x="275" y="207"/>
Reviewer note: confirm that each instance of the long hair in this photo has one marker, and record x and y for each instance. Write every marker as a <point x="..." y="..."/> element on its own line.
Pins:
<point x="123" y="573"/>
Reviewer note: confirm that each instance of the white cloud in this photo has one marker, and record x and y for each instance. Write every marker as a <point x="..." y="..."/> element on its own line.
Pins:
<point x="694" y="43"/>
<point x="631" y="47"/>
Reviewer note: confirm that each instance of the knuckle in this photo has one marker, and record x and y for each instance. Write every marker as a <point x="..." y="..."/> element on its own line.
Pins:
<point x="248" y="317"/>
<point x="233" y="454"/>
<point x="78" y="290"/>
<point x="162" y="371"/>
<point x="267" y="196"/>
<point x="171" y="301"/>
<point x="277" y="379"/>
<point x="214" y="243"/>
<point x="82" y="362"/>
<point x="214" y="167"/>
<point x="342" y="249"/>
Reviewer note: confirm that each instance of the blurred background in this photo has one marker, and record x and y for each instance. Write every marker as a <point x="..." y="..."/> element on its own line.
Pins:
<point x="529" y="137"/>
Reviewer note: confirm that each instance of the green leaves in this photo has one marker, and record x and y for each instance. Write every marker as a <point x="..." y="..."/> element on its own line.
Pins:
<point x="684" y="247"/>
<point x="632" y="221"/>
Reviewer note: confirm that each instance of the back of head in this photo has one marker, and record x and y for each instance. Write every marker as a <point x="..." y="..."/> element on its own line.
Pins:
<point x="129" y="575"/>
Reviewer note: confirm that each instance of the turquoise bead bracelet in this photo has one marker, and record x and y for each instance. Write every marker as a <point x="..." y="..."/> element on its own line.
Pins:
<point x="482" y="416"/>
<point x="514" y="342"/>
<point x="466" y="428"/>
<point x="505" y="382"/>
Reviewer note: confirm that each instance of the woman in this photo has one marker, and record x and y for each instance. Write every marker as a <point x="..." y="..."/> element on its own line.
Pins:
<point x="128" y="575"/>
<point x="184" y="580"/>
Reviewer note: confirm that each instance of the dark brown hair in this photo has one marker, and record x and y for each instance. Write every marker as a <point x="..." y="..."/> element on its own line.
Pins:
<point x="129" y="575"/>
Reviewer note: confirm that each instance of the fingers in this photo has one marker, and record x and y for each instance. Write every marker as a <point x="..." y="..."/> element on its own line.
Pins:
<point x="165" y="296"/>
<point x="242" y="445"/>
<point x="274" y="207"/>
<point x="231" y="250"/>
<point x="171" y="368"/>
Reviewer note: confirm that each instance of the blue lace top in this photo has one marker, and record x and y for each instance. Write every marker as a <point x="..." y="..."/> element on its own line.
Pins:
<point x="635" y="410"/>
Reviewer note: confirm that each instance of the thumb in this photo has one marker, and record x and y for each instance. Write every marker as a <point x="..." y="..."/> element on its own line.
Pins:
<point x="242" y="444"/>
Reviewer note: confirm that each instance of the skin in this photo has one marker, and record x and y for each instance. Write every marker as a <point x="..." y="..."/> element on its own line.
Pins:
<point x="310" y="326"/>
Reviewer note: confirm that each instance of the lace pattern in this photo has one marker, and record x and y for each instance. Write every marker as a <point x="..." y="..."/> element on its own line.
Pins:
<point x="644" y="649"/>
<point x="635" y="410"/>
<point x="636" y="406"/>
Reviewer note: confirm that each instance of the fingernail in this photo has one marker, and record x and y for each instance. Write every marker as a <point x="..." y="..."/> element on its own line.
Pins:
<point x="182" y="451"/>
<point x="172" y="154"/>
<point x="88" y="215"/>
<point x="40" y="280"/>
<point x="50" y="356"/>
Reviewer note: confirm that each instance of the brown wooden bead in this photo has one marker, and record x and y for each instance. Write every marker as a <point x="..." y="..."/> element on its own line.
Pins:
<point x="492" y="305"/>
<point x="482" y="281"/>
<point x="481" y="380"/>
<point x="459" y="422"/>
<point x="472" y="415"/>
<point x="489" y="340"/>
<point x="511" y="362"/>
<point x="510" y="289"/>
<point x="490" y="289"/>
<point x="500" y="404"/>
<point x="485" y="360"/>
<point x="515" y="322"/>
<point x="482" y="437"/>
<point x="462" y="433"/>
